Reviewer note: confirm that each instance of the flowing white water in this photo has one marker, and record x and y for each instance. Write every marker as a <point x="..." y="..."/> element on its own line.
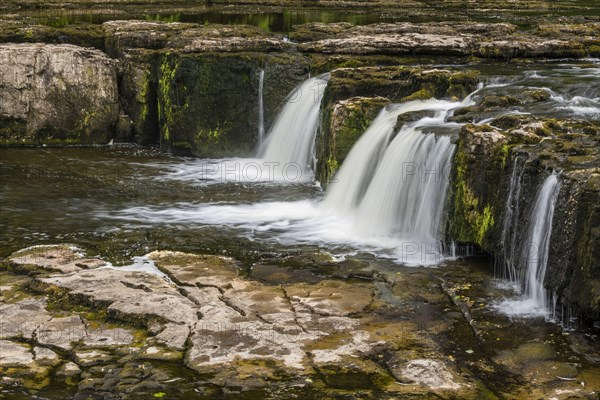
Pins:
<point x="291" y="139"/>
<point x="354" y="176"/>
<point x="261" y="111"/>
<point x="407" y="194"/>
<point x="393" y="213"/>
<point x="350" y="183"/>
<point x="534" y="255"/>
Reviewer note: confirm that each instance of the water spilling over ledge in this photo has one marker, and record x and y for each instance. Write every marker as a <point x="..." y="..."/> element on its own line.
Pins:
<point x="232" y="227"/>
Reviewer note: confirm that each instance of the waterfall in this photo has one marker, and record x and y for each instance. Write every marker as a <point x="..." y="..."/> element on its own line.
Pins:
<point x="349" y="186"/>
<point x="291" y="139"/>
<point x="261" y="110"/>
<point x="535" y="254"/>
<point x="396" y="185"/>
<point x="407" y="193"/>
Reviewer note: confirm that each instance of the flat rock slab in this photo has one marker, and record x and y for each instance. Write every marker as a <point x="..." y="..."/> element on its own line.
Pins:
<point x="243" y="334"/>
<point x="62" y="258"/>
<point x="135" y="295"/>
<point x="15" y="354"/>
<point x="23" y="318"/>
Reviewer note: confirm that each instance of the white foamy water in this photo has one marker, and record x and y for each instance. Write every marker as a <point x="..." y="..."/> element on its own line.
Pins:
<point x="235" y="170"/>
<point x="579" y="105"/>
<point x="288" y="223"/>
<point x="356" y="172"/>
<point x="396" y="215"/>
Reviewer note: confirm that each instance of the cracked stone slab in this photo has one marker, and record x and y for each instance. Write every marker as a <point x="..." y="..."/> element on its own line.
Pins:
<point x="332" y="298"/>
<point x="45" y="356"/>
<point x="431" y="373"/>
<point x="15" y="354"/>
<point x="63" y="332"/>
<point x="102" y="336"/>
<point x="196" y="270"/>
<point x="356" y="345"/>
<point x="129" y="294"/>
<point x="22" y="319"/>
<point x="61" y="258"/>
<point x="174" y="336"/>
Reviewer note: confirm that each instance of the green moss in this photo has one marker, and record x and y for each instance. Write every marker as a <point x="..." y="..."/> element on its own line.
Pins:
<point x="483" y="223"/>
<point x="471" y="221"/>
<point x="168" y="71"/>
<point x="594" y="50"/>
<point x="537" y="95"/>
<point x="504" y="151"/>
<point x="422" y="94"/>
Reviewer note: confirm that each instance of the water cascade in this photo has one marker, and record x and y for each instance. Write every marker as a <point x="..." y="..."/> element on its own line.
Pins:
<point x="407" y="193"/>
<point x="538" y="240"/>
<point x="533" y="257"/>
<point x="261" y="110"/>
<point x="345" y="193"/>
<point x="291" y="139"/>
<point x="510" y="227"/>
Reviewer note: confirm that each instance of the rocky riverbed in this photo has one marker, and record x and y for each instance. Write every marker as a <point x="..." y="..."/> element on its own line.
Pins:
<point x="117" y="118"/>
<point x="181" y="324"/>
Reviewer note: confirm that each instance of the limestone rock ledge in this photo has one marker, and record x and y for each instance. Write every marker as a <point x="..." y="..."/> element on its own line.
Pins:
<point x="195" y="324"/>
<point x="354" y="97"/>
<point x="60" y="93"/>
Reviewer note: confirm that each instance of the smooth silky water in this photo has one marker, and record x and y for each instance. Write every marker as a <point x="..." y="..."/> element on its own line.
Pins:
<point x="121" y="202"/>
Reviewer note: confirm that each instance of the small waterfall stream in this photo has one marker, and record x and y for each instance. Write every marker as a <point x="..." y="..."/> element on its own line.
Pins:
<point x="407" y="194"/>
<point x="510" y="224"/>
<point x="261" y="110"/>
<point x="357" y="170"/>
<point x="396" y="185"/>
<point x="292" y="137"/>
<point x="536" y="253"/>
<point x="533" y="255"/>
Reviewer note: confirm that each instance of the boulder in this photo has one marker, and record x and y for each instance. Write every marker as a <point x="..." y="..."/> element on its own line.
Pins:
<point x="57" y="93"/>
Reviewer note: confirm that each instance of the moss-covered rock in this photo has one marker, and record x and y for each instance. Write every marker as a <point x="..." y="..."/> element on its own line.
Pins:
<point x="138" y="92"/>
<point x="208" y="102"/>
<point x="349" y="119"/>
<point x="479" y="159"/>
<point x="484" y="162"/>
<point x="24" y="31"/>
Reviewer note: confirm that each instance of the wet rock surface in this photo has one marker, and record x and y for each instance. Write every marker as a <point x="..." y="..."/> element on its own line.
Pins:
<point x="486" y="157"/>
<point x="214" y="329"/>
<point x="168" y="80"/>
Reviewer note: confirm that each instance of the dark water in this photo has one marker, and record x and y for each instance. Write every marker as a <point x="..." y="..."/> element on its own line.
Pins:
<point x="275" y="19"/>
<point x="272" y="21"/>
